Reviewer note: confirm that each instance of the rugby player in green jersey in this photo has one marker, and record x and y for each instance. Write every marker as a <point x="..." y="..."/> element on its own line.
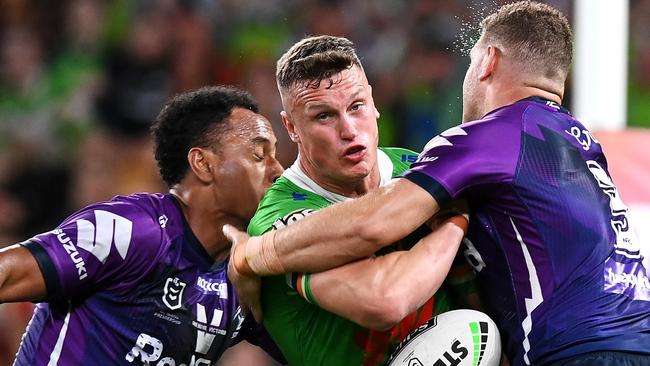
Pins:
<point x="355" y="314"/>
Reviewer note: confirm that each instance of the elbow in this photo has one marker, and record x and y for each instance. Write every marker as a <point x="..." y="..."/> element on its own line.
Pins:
<point x="383" y="313"/>
<point x="376" y="233"/>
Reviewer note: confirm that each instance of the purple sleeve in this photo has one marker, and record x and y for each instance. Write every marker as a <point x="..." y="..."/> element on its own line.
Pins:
<point x="107" y="245"/>
<point x="466" y="159"/>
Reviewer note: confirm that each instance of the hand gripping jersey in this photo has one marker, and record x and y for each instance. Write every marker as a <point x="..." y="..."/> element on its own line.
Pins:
<point x="129" y="284"/>
<point x="549" y="236"/>
<point x="307" y="334"/>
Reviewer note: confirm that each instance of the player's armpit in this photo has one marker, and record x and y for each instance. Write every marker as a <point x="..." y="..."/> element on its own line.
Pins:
<point x="20" y="277"/>
<point x="378" y="292"/>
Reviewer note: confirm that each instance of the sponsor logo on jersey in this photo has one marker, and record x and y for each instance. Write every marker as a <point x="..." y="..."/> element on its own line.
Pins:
<point x="173" y="295"/>
<point x="207" y="328"/>
<point x="72" y="252"/>
<point x="212" y="288"/>
<point x="148" y="349"/>
<point x="628" y="279"/>
<point x="292" y="217"/>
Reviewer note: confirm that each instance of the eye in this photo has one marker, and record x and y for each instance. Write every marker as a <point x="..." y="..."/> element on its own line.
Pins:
<point x="258" y="153"/>
<point x="323" y="116"/>
<point x="356" y="106"/>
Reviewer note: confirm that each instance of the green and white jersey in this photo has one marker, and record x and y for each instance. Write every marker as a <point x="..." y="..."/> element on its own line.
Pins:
<point x="307" y="334"/>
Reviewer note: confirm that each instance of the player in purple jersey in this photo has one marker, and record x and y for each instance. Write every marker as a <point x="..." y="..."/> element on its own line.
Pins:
<point x="141" y="279"/>
<point x="562" y="272"/>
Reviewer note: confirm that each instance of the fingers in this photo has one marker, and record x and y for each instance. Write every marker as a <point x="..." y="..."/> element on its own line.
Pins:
<point x="247" y="289"/>
<point x="239" y="241"/>
<point x="232" y="233"/>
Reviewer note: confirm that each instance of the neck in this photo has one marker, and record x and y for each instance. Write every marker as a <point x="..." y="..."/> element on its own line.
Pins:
<point x="502" y="96"/>
<point x="206" y="219"/>
<point x="353" y="187"/>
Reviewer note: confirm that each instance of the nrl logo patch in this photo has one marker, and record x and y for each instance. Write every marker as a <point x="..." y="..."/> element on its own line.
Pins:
<point x="173" y="293"/>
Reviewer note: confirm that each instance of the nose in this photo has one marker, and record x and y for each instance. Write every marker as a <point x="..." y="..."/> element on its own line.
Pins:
<point x="348" y="128"/>
<point x="274" y="170"/>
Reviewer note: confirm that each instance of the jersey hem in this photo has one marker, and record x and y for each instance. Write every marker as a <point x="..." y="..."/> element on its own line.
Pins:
<point x="46" y="265"/>
<point x="429" y="184"/>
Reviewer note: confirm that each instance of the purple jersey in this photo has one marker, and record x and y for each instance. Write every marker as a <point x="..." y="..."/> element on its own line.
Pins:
<point x="561" y="269"/>
<point x="129" y="284"/>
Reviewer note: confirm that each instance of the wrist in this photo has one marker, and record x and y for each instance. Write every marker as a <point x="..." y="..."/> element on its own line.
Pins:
<point x="261" y="256"/>
<point x="239" y="261"/>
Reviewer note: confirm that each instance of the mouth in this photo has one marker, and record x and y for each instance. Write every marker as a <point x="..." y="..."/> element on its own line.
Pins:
<point x="355" y="153"/>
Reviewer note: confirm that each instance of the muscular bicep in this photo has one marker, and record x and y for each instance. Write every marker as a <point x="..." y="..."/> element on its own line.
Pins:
<point x="20" y="277"/>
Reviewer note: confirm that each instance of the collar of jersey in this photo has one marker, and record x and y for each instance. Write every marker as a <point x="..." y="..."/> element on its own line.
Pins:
<point x="296" y="175"/>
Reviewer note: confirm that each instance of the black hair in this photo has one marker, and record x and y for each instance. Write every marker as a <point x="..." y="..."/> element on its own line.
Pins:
<point x="193" y="119"/>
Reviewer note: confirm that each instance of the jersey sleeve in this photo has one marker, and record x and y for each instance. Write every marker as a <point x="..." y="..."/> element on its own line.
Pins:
<point x="106" y="245"/>
<point x="466" y="159"/>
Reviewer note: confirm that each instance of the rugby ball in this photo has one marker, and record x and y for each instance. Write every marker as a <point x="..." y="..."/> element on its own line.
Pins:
<point x="455" y="338"/>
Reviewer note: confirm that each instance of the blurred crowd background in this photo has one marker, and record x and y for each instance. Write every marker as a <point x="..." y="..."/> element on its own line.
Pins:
<point x="81" y="81"/>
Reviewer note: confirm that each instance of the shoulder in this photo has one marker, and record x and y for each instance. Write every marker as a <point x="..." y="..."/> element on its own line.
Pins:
<point x="140" y="219"/>
<point x="398" y="153"/>
<point x="280" y="201"/>
<point x="400" y="158"/>
<point x="137" y="208"/>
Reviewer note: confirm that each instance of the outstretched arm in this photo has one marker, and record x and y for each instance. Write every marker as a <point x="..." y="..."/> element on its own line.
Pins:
<point x="20" y="277"/>
<point x="378" y="292"/>
<point x="338" y="234"/>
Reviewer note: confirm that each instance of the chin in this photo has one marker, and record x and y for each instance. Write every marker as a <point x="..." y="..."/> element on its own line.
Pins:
<point x="359" y="172"/>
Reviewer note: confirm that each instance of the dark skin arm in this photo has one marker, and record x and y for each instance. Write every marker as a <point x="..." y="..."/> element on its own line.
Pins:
<point x="20" y="277"/>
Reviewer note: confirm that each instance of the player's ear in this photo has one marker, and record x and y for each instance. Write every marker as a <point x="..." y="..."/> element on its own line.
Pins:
<point x="200" y="163"/>
<point x="489" y="62"/>
<point x="291" y="128"/>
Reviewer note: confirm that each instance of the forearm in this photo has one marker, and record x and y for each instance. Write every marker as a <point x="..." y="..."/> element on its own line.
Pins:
<point x="378" y="292"/>
<point x="348" y="231"/>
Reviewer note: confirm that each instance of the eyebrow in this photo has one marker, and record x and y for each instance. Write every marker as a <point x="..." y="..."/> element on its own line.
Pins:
<point x="319" y="105"/>
<point x="260" y="140"/>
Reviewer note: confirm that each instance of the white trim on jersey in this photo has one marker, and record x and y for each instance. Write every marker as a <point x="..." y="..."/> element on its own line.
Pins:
<point x="296" y="175"/>
<point x="56" y="352"/>
<point x="535" y="291"/>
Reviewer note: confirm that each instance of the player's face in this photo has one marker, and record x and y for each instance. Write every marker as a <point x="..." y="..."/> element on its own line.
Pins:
<point x="335" y="126"/>
<point x="472" y="93"/>
<point x="246" y="163"/>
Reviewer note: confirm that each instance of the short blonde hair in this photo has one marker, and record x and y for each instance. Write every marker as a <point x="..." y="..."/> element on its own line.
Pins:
<point x="536" y="35"/>
<point x="315" y="59"/>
